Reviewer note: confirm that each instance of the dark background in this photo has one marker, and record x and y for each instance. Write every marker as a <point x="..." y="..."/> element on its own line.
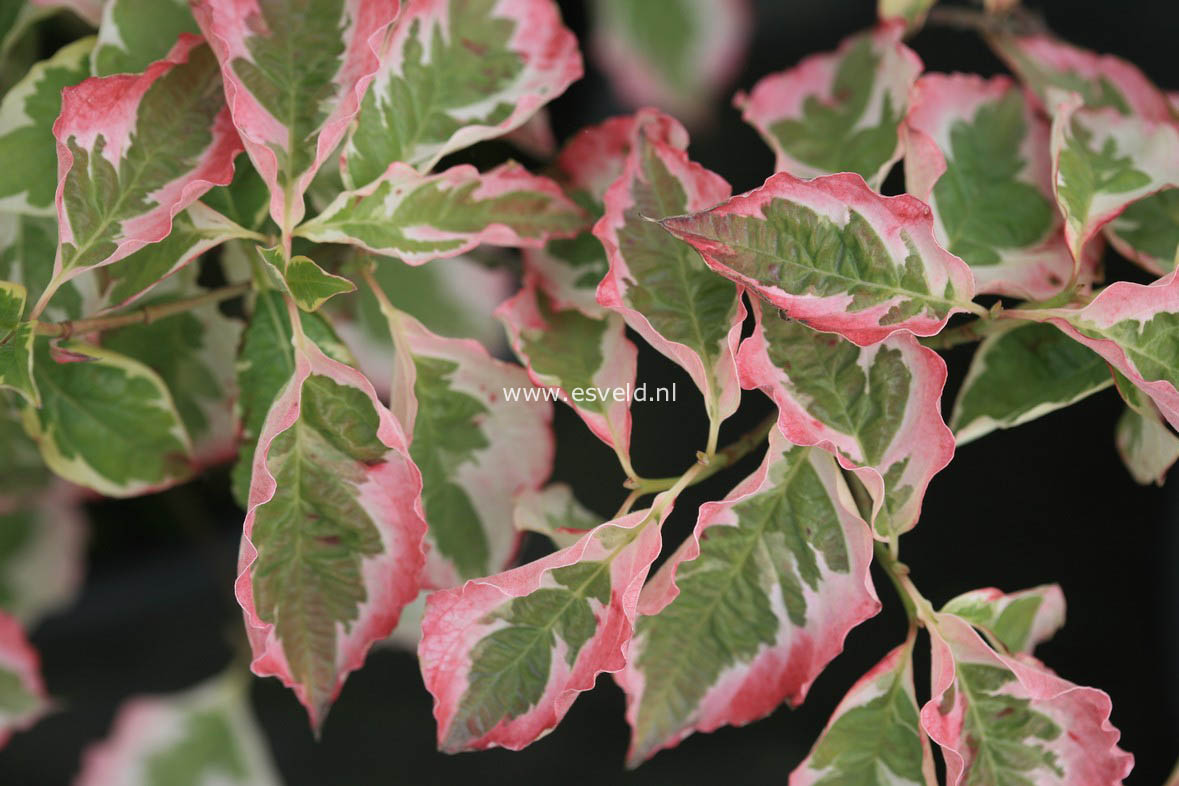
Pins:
<point x="1049" y="501"/>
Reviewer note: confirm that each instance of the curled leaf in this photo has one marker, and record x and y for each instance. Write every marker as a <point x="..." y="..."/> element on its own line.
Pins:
<point x="1020" y="621"/>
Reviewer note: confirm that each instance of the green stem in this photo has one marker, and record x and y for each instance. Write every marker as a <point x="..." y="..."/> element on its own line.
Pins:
<point x="141" y="316"/>
<point x="968" y="333"/>
<point x="709" y="466"/>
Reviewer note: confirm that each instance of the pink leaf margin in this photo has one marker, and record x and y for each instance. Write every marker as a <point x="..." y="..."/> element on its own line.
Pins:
<point x="18" y="656"/>
<point x="392" y="495"/>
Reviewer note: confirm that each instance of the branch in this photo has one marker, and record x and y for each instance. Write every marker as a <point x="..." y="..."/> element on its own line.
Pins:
<point x="728" y="456"/>
<point x="141" y="316"/>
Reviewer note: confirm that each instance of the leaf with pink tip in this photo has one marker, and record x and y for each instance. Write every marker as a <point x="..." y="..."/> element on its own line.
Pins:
<point x="204" y="735"/>
<point x="133" y="151"/>
<point x="23" y="700"/>
<point x="1104" y="161"/>
<point x="834" y="254"/>
<point x="295" y="74"/>
<point x="978" y="154"/>
<point x="570" y="269"/>
<point x="458" y="72"/>
<point x="877" y="408"/>
<point x="1135" y="327"/>
<point x="874" y="737"/>
<point x="1009" y="719"/>
<point x="423" y="217"/>
<point x="332" y="541"/>
<point x="1047" y="65"/>
<point x="1147" y="447"/>
<point x="587" y="359"/>
<point x="1020" y="621"/>
<point x="676" y="55"/>
<point x="839" y="111"/>
<point x="506" y="656"/>
<point x="477" y="445"/>
<point x="752" y="607"/>
<point x="657" y="282"/>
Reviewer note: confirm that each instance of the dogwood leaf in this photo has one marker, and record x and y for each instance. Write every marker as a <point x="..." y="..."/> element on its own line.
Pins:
<point x="89" y="11"/>
<point x="16" y="344"/>
<point x="1021" y="372"/>
<point x="979" y="155"/>
<point x="42" y="551"/>
<point x="1135" y="327"/>
<point x="206" y="734"/>
<point x="458" y="72"/>
<point x="1103" y="161"/>
<point x="135" y="150"/>
<point x="23" y="700"/>
<point x="28" y="155"/>
<point x="555" y="513"/>
<point x="1008" y="719"/>
<point x="27" y="246"/>
<point x="674" y="55"/>
<point x="265" y="363"/>
<point x="505" y="656"/>
<point x="133" y="34"/>
<point x="874" y="737"/>
<point x="246" y="200"/>
<point x="476" y="447"/>
<point x="1020" y="621"/>
<point x="106" y="421"/>
<point x="748" y="611"/>
<point x="838" y="111"/>
<point x="1147" y="447"/>
<point x="23" y="475"/>
<point x="1047" y="65"/>
<point x="193" y="352"/>
<point x="310" y="285"/>
<point x="656" y="282"/>
<point x="196" y="230"/>
<point x="332" y="541"/>
<point x="570" y="269"/>
<point x="294" y="73"/>
<point x="423" y="217"/>
<point x="835" y="255"/>
<point x="1147" y="231"/>
<point x="587" y="359"/>
<point x="877" y="408"/>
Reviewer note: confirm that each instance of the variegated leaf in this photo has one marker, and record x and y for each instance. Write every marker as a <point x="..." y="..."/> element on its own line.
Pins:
<point x="423" y="217"/>
<point x="204" y="735"/>
<point x="23" y="700"/>
<point x="196" y="230"/>
<point x="877" y="408"/>
<point x="42" y="551"/>
<point x="89" y="11"/>
<point x="106" y="421"/>
<point x="978" y="154"/>
<point x="1147" y="231"/>
<point x="16" y="344"/>
<point x="1147" y="447"/>
<point x="332" y="541"/>
<point x="874" y="737"/>
<point x="658" y="283"/>
<point x="836" y="255"/>
<point x="570" y="269"/>
<point x="1135" y="327"/>
<point x="589" y="360"/>
<point x="134" y="34"/>
<point x="246" y="200"/>
<point x="193" y="353"/>
<point x="555" y="513"/>
<point x="476" y="447"/>
<point x="1008" y="719"/>
<point x="28" y="154"/>
<point x="310" y="285"/>
<point x="1102" y="161"/>
<point x="1020" y="621"/>
<point x="1021" y="372"/>
<point x="676" y="55"/>
<point x="135" y="150"/>
<point x="27" y="246"/>
<point x="1047" y="65"/>
<point x="295" y="72"/>
<point x="752" y="607"/>
<point x="458" y="72"/>
<point x="839" y="111"/>
<point x="506" y="656"/>
<point x="24" y="478"/>
<point x="265" y="363"/>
